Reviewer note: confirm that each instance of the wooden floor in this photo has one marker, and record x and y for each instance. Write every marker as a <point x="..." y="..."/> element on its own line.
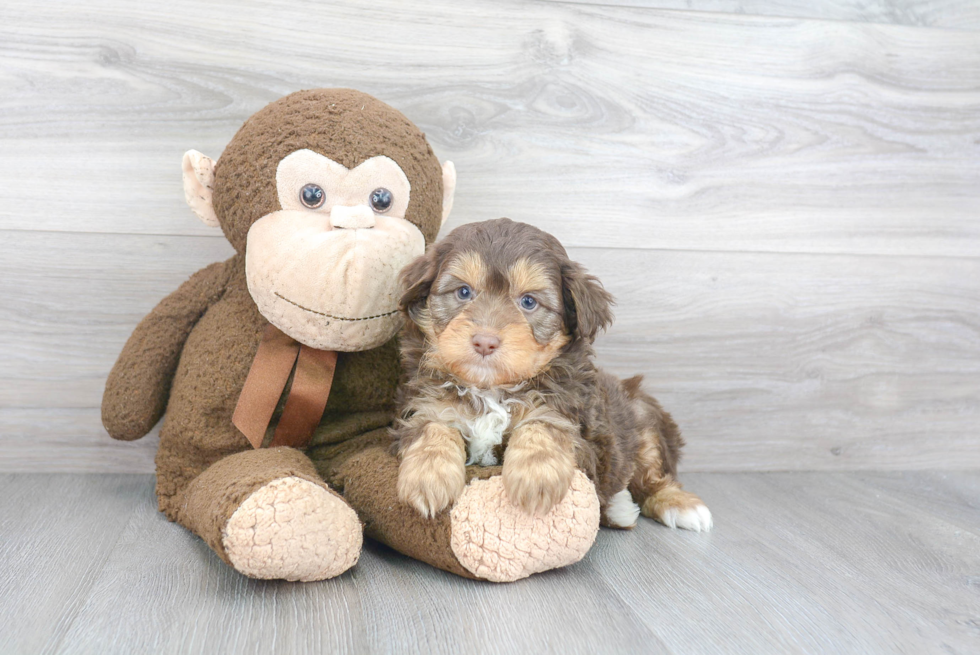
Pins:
<point x="798" y="562"/>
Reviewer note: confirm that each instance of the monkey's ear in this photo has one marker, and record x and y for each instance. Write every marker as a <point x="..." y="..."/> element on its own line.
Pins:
<point x="198" y="181"/>
<point x="448" y="189"/>
<point x="588" y="306"/>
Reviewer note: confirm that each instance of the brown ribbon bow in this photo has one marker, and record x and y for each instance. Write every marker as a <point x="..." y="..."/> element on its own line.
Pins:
<point x="266" y="379"/>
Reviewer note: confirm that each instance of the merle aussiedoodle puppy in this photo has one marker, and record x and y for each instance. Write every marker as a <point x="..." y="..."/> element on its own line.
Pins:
<point x="498" y="357"/>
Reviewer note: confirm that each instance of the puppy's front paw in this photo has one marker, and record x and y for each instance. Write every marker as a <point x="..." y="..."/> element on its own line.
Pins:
<point x="536" y="479"/>
<point x="432" y="473"/>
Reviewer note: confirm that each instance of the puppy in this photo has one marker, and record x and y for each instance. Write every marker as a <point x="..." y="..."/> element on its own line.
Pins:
<point x="498" y="360"/>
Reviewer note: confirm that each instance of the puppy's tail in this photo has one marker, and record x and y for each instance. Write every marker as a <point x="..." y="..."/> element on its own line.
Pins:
<point x="661" y="439"/>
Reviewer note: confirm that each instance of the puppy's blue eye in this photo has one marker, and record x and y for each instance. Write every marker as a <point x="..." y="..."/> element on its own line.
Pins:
<point x="528" y="303"/>
<point x="464" y="293"/>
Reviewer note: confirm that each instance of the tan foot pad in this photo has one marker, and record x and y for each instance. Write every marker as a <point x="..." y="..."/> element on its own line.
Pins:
<point x="495" y="540"/>
<point x="293" y="529"/>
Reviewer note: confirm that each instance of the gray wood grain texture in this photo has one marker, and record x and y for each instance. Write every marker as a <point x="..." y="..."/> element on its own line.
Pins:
<point x="798" y="562"/>
<point x="946" y="14"/>
<point x="768" y="361"/>
<point x="664" y="129"/>
<point x="785" y="208"/>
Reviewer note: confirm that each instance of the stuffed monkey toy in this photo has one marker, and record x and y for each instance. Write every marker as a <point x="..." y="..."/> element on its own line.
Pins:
<point x="277" y="369"/>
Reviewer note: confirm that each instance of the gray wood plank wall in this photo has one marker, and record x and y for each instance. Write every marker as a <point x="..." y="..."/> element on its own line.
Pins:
<point x="783" y="196"/>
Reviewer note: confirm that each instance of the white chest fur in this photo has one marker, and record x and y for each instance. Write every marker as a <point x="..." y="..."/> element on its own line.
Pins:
<point x="484" y="427"/>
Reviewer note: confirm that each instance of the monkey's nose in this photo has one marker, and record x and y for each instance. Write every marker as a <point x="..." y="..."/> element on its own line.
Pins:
<point x="485" y="344"/>
<point x="357" y="217"/>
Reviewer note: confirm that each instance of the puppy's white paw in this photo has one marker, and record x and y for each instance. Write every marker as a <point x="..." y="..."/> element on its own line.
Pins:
<point x="696" y="519"/>
<point x="677" y="508"/>
<point x="622" y="512"/>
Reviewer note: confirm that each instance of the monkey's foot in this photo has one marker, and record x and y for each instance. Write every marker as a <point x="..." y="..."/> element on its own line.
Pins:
<point x="293" y="529"/>
<point x="496" y="540"/>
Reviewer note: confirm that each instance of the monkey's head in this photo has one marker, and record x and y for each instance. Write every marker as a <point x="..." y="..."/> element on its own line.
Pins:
<point x="328" y="194"/>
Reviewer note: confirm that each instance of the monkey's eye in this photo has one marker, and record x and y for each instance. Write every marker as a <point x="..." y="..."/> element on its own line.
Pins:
<point x="312" y="196"/>
<point x="381" y="200"/>
<point x="464" y="293"/>
<point x="528" y="303"/>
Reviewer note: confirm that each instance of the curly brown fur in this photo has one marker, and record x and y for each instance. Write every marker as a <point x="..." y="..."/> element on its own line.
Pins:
<point x="516" y="378"/>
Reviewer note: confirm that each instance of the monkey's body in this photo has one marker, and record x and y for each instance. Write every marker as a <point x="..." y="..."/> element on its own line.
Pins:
<point x="198" y="434"/>
<point x="284" y="512"/>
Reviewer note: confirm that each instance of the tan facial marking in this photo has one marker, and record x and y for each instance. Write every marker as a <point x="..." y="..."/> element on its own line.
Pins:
<point x="455" y="346"/>
<point x="526" y="276"/>
<point x="519" y="356"/>
<point x="469" y="268"/>
<point x="522" y="357"/>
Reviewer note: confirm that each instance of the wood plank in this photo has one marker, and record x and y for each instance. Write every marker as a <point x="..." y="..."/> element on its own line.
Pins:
<point x="802" y="562"/>
<point x="789" y="362"/>
<point x="695" y="131"/>
<point x="797" y="562"/>
<point x="945" y="14"/>
<point x="69" y="440"/>
<point x="72" y="300"/>
<point x="768" y="361"/>
<point x="162" y="590"/>
<point x="952" y="496"/>
<point x="56" y="532"/>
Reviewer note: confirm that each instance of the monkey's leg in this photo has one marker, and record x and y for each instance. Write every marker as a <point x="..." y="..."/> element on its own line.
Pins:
<point x="482" y="536"/>
<point x="267" y="513"/>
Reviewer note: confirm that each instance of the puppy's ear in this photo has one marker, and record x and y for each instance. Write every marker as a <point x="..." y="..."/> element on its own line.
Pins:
<point x="417" y="279"/>
<point x="588" y="306"/>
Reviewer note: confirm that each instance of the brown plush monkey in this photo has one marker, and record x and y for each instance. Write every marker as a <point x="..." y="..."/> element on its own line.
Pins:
<point x="324" y="195"/>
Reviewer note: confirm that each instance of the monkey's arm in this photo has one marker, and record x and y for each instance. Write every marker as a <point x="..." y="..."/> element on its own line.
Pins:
<point x="138" y="387"/>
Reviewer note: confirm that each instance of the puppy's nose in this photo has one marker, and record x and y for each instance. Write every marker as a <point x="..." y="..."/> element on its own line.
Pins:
<point x="357" y="217"/>
<point x="485" y="344"/>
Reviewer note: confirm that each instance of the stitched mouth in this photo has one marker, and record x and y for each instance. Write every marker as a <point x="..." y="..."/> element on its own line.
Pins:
<point x="336" y="318"/>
